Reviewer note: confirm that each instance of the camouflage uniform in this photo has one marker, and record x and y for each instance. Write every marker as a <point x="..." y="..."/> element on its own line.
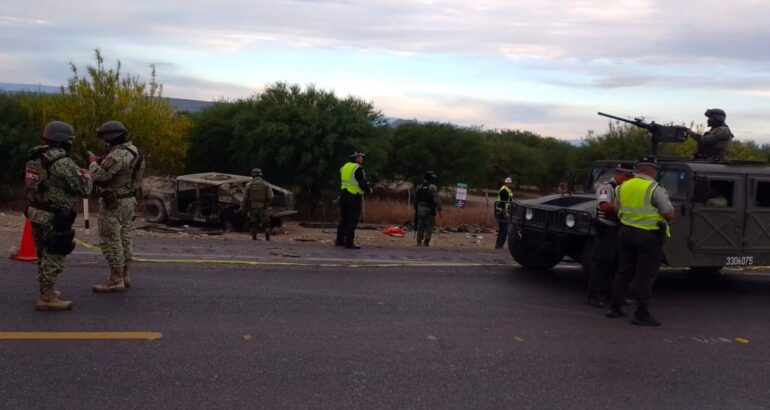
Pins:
<point x="427" y="203"/>
<point x="66" y="183"/>
<point x="256" y="201"/>
<point x="118" y="176"/>
<point x="714" y="144"/>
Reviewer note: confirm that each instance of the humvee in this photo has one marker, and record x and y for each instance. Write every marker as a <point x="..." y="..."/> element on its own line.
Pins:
<point x="705" y="235"/>
<point x="211" y="198"/>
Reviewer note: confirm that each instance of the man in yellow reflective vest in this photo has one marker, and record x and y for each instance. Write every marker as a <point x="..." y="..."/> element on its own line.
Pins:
<point x="503" y="210"/>
<point x="353" y="186"/>
<point x="644" y="209"/>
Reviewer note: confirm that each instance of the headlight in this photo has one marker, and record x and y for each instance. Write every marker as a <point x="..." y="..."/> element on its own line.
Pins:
<point x="529" y="214"/>
<point x="569" y="220"/>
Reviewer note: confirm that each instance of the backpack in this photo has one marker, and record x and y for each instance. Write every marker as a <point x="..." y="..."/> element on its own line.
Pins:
<point x="36" y="173"/>
<point x="137" y="171"/>
<point x="257" y="194"/>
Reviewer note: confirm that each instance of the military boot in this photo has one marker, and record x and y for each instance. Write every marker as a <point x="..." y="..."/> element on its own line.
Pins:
<point x="426" y="242"/>
<point x="50" y="300"/>
<point x="114" y="283"/>
<point x="267" y="234"/>
<point x="644" y="319"/>
<point x="126" y="276"/>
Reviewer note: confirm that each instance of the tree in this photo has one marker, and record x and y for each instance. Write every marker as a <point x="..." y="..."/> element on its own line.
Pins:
<point x="299" y="137"/>
<point x="104" y="94"/>
<point x="17" y="136"/>
<point x="455" y="154"/>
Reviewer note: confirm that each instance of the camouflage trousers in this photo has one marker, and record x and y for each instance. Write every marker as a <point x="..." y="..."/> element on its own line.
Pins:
<point x="258" y="220"/>
<point x="115" y="226"/>
<point x="49" y="265"/>
<point x="425" y="223"/>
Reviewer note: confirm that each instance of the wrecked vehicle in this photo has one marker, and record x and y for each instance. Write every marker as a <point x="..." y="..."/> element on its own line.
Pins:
<point x="211" y="198"/>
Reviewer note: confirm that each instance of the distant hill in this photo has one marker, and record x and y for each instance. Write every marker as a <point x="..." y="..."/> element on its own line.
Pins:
<point x="181" y="104"/>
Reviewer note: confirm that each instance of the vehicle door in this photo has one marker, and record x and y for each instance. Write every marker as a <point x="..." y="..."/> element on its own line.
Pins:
<point x="718" y="217"/>
<point x="676" y="179"/>
<point x="757" y="224"/>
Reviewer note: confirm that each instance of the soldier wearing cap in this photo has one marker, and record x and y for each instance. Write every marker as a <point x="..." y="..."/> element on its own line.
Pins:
<point x="503" y="210"/>
<point x="715" y="143"/>
<point x="257" y="196"/>
<point x="604" y="255"/>
<point x="644" y="209"/>
<point x="353" y="185"/>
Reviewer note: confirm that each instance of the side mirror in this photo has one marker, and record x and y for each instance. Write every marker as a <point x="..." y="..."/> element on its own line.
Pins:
<point x="701" y="190"/>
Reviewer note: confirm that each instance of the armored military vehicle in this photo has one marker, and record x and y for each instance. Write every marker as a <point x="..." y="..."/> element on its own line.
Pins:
<point x="722" y="215"/>
<point x="211" y="198"/>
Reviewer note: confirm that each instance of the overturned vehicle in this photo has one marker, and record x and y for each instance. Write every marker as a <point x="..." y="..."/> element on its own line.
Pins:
<point x="211" y="198"/>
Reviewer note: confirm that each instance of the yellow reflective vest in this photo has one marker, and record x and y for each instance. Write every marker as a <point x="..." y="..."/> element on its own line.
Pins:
<point x="348" y="178"/>
<point x="636" y="208"/>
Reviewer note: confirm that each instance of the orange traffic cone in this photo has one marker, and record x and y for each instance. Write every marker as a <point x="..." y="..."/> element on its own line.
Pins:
<point x="27" y="251"/>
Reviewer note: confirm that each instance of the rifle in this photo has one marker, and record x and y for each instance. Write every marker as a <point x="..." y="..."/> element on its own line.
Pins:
<point x="658" y="132"/>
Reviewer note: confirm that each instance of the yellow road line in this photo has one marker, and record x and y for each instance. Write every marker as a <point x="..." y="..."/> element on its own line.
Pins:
<point x="305" y="264"/>
<point x="80" y="335"/>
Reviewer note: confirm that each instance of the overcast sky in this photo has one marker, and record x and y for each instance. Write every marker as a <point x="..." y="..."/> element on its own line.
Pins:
<point x="545" y="66"/>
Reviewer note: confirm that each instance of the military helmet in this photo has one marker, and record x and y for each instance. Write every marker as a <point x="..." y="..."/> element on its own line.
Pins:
<point x="111" y="130"/>
<point x="256" y="172"/>
<point x="58" y="131"/>
<point x="716" y="114"/>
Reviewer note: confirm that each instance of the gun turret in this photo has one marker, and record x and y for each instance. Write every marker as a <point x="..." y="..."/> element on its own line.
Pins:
<point x="658" y="133"/>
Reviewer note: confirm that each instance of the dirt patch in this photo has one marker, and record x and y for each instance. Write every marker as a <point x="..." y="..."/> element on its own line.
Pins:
<point x="12" y="223"/>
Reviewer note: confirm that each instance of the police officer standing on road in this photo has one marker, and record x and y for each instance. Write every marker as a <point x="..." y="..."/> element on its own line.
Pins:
<point x="53" y="184"/>
<point x="715" y="143"/>
<point x="643" y="209"/>
<point x="256" y="201"/>
<point x="604" y="255"/>
<point x="426" y="204"/>
<point x="353" y="186"/>
<point x="503" y="210"/>
<point x="119" y="179"/>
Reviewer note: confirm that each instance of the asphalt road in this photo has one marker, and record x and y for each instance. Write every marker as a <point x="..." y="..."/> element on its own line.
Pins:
<point x="489" y="335"/>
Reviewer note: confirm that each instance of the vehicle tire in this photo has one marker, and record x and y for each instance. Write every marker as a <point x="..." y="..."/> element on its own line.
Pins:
<point x="530" y="257"/>
<point x="154" y="211"/>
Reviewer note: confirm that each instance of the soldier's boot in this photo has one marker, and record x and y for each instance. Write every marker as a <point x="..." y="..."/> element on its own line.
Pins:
<point x="267" y="233"/>
<point x="114" y="283"/>
<point x="426" y="242"/>
<point x="644" y="319"/>
<point x="253" y="236"/>
<point x="50" y="300"/>
<point x="126" y="276"/>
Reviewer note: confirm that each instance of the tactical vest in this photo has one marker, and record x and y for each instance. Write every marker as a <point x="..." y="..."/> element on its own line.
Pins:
<point x="258" y="194"/>
<point x="424" y="196"/>
<point x="37" y="174"/>
<point x="636" y="209"/>
<point x="348" y="178"/>
<point x="503" y="206"/>
<point x="137" y="167"/>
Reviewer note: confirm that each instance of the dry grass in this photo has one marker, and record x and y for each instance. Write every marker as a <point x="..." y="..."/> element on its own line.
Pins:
<point x="393" y="212"/>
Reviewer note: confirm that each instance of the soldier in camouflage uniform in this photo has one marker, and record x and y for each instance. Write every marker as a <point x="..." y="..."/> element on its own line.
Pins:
<point x="256" y="201"/>
<point x="715" y="143"/>
<point x="53" y="184"/>
<point x="118" y="177"/>
<point x="426" y="204"/>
